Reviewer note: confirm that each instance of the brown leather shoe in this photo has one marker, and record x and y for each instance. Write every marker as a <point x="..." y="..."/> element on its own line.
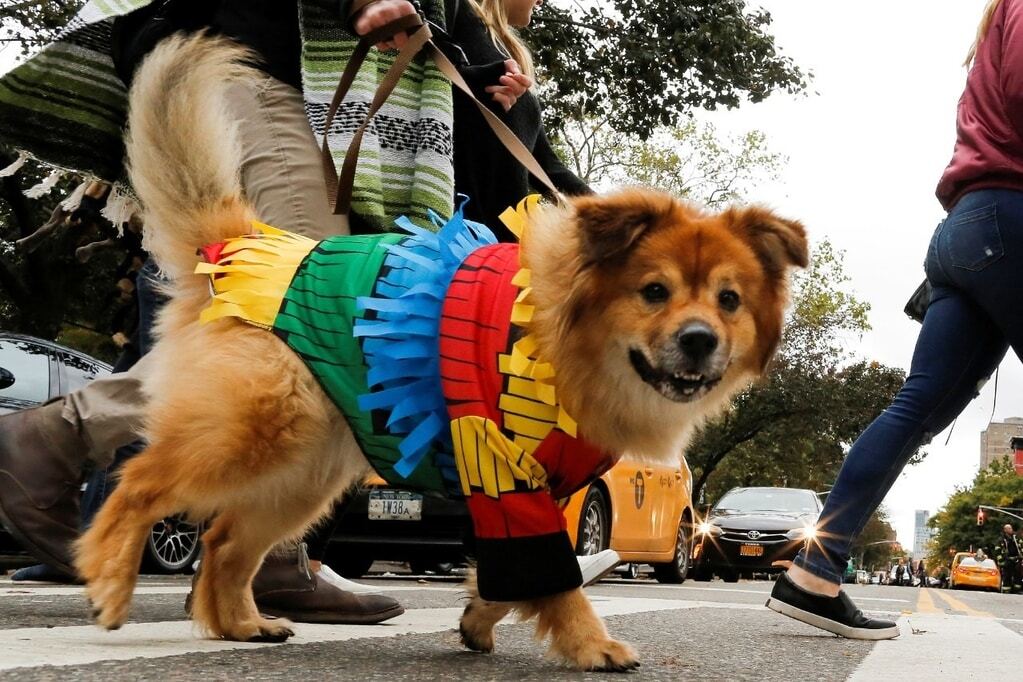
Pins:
<point x="285" y="587"/>
<point x="41" y="459"/>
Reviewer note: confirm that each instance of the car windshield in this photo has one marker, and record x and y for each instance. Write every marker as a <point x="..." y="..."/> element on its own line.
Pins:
<point x="27" y="368"/>
<point x="768" y="499"/>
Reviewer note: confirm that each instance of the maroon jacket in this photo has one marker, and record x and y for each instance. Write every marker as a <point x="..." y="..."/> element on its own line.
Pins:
<point x="989" y="127"/>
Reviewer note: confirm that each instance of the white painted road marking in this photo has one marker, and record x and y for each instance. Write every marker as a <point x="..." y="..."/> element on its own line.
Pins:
<point x="951" y="646"/>
<point x="947" y="648"/>
<point x="83" y="644"/>
<point x="9" y="589"/>
<point x="763" y="593"/>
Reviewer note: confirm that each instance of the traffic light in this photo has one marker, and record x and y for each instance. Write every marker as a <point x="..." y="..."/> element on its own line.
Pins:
<point x="980" y="516"/>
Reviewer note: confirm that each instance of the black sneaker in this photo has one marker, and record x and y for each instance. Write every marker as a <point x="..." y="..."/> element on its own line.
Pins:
<point x="834" y="614"/>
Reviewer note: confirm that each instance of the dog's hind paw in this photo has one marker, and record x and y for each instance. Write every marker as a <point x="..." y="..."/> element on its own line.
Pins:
<point x="606" y="656"/>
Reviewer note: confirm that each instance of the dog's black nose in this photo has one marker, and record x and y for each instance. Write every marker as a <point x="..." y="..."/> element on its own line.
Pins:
<point x="697" y="341"/>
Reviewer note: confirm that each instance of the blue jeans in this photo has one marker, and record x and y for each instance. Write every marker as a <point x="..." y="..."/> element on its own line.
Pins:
<point x="976" y="313"/>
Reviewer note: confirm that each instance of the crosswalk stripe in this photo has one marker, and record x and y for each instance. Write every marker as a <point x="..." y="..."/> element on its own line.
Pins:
<point x="960" y="647"/>
<point x="85" y="644"/>
<point x="50" y="591"/>
<point x="929" y="638"/>
<point x="763" y="593"/>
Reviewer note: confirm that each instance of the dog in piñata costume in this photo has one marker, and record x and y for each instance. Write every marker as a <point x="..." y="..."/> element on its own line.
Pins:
<point x="417" y="340"/>
<point x="444" y="361"/>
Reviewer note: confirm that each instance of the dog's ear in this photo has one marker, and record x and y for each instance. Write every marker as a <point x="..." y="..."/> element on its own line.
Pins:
<point x="610" y="226"/>
<point x="779" y="243"/>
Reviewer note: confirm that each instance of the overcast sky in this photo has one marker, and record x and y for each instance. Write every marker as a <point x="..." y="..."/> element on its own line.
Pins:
<point x="864" y="156"/>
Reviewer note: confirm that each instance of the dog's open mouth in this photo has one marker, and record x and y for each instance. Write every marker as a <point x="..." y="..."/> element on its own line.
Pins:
<point x="680" y="387"/>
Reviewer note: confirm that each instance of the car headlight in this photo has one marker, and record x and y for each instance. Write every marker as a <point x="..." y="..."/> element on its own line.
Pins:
<point x="804" y="533"/>
<point x="707" y="528"/>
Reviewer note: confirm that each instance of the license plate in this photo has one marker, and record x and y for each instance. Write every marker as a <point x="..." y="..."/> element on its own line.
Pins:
<point x="751" y="550"/>
<point x="395" y="505"/>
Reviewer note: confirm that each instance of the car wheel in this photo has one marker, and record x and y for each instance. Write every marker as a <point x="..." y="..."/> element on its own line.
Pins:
<point x="594" y="530"/>
<point x="730" y="576"/>
<point x="676" y="570"/>
<point x="349" y="564"/>
<point x="702" y="575"/>
<point x="173" y="545"/>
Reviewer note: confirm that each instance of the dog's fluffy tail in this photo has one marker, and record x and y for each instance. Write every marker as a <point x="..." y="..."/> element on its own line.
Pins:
<point x="184" y="151"/>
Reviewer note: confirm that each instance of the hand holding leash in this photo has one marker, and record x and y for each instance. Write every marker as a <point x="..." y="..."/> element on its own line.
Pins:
<point x="417" y="36"/>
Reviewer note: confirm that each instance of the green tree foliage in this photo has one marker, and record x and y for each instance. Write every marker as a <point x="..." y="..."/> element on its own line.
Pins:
<point x="794" y="427"/>
<point x="45" y="289"/>
<point x="641" y="65"/>
<point x="875" y="548"/>
<point x="30" y="24"/>
<point x="956" y="523"/>
<point x="692" y="161"/>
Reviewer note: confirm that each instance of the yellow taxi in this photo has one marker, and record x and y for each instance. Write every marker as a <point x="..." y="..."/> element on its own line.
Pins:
<point x="642" y="511"/>
<point x="969" y="570"/>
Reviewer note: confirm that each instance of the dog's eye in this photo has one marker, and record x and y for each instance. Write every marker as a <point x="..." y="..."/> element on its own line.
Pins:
<point x="729" y="300"/>
<point x="655" y="292"/>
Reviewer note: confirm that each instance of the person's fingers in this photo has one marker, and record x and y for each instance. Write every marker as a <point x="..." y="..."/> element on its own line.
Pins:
<point x="380" y="13"/>
<point x="524" y="80"/>
<point x="503" y="100"/>
<point x="514" y="86"/>
<point x="400" y="40"/>
<point x="512" y="66"/>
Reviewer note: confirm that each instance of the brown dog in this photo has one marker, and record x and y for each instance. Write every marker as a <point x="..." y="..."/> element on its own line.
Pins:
<point x="654" y="314"/>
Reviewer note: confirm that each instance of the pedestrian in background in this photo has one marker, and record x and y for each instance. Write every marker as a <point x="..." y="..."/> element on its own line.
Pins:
<point x="973" y="265"/>
<point x="43" y="450"/>
<point x="1009" y="556"/>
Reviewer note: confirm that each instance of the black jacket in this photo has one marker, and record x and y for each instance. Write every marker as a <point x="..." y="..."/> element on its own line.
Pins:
<point x="484" y="170"/>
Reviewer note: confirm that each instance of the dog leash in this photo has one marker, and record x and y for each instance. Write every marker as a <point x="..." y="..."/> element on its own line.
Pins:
<point x="340" y="186"/>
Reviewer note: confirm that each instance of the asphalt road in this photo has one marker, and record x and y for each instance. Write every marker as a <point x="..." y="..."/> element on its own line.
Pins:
<point x="705" y="631"/>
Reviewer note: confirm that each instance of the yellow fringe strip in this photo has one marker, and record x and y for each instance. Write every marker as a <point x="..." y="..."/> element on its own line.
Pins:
<point x="253" y="275"/>
<point x="525" y="362"/>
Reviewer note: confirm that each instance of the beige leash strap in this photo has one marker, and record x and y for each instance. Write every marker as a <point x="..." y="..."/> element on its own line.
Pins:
<point x="340" y="187"/>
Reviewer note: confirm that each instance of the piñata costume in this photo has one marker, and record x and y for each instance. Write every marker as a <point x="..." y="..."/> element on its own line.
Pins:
<point x="419" y="339"/>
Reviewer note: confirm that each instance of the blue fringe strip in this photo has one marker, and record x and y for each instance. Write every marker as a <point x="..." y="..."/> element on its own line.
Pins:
<point x="402" y="343"/>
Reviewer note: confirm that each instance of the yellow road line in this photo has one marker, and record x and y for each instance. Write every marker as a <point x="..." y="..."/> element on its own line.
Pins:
<point x="924" y="603"/>
<point x="960" y="606"/>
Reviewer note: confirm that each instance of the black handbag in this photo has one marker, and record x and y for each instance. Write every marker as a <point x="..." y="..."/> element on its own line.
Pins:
<point x="917" y="304"/>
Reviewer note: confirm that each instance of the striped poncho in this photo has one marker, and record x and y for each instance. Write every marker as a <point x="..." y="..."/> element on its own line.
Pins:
<point x="66" y="107"/>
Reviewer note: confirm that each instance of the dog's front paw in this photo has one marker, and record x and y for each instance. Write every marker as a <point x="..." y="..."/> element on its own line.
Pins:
<point x="260" y="630"/>
<point x="476" y="640"/>
<point x="605" y="656"/>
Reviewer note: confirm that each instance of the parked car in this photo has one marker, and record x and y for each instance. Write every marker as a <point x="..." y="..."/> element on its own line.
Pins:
<point x="750" y="528"/>
<point x="862" y="577"/>
<point x="968" y="571"/>
<point x="33" y="371"/>
<point x="642" y="511"/>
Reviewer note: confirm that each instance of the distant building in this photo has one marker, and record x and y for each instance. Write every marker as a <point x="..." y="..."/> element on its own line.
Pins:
<point x="994" y="442"/>
<point x="921" y="534"/>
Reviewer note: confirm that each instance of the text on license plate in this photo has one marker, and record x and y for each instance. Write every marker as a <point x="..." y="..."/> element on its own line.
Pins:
<point x="395" y="505"/>
<point x="751" y="550"/>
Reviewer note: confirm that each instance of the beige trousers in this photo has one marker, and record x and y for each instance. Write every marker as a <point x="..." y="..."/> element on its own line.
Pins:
<point x="283" y="179"/>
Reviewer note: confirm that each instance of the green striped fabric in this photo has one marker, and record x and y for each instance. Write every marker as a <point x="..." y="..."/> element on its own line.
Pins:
<point x="67" y="108"/>
<point x="316" y="320"/>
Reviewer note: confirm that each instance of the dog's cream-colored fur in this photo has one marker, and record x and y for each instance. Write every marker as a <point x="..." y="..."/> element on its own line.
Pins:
<point x="239" y="430"/>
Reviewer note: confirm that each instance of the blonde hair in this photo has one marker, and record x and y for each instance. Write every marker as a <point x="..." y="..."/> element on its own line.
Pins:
<point x="493" y="14"/>
<point x="985" y="23"/>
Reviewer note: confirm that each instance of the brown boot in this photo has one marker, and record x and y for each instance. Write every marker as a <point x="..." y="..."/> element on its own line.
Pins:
<point x="41" y="458"/>
<point x="285" y="587"/>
